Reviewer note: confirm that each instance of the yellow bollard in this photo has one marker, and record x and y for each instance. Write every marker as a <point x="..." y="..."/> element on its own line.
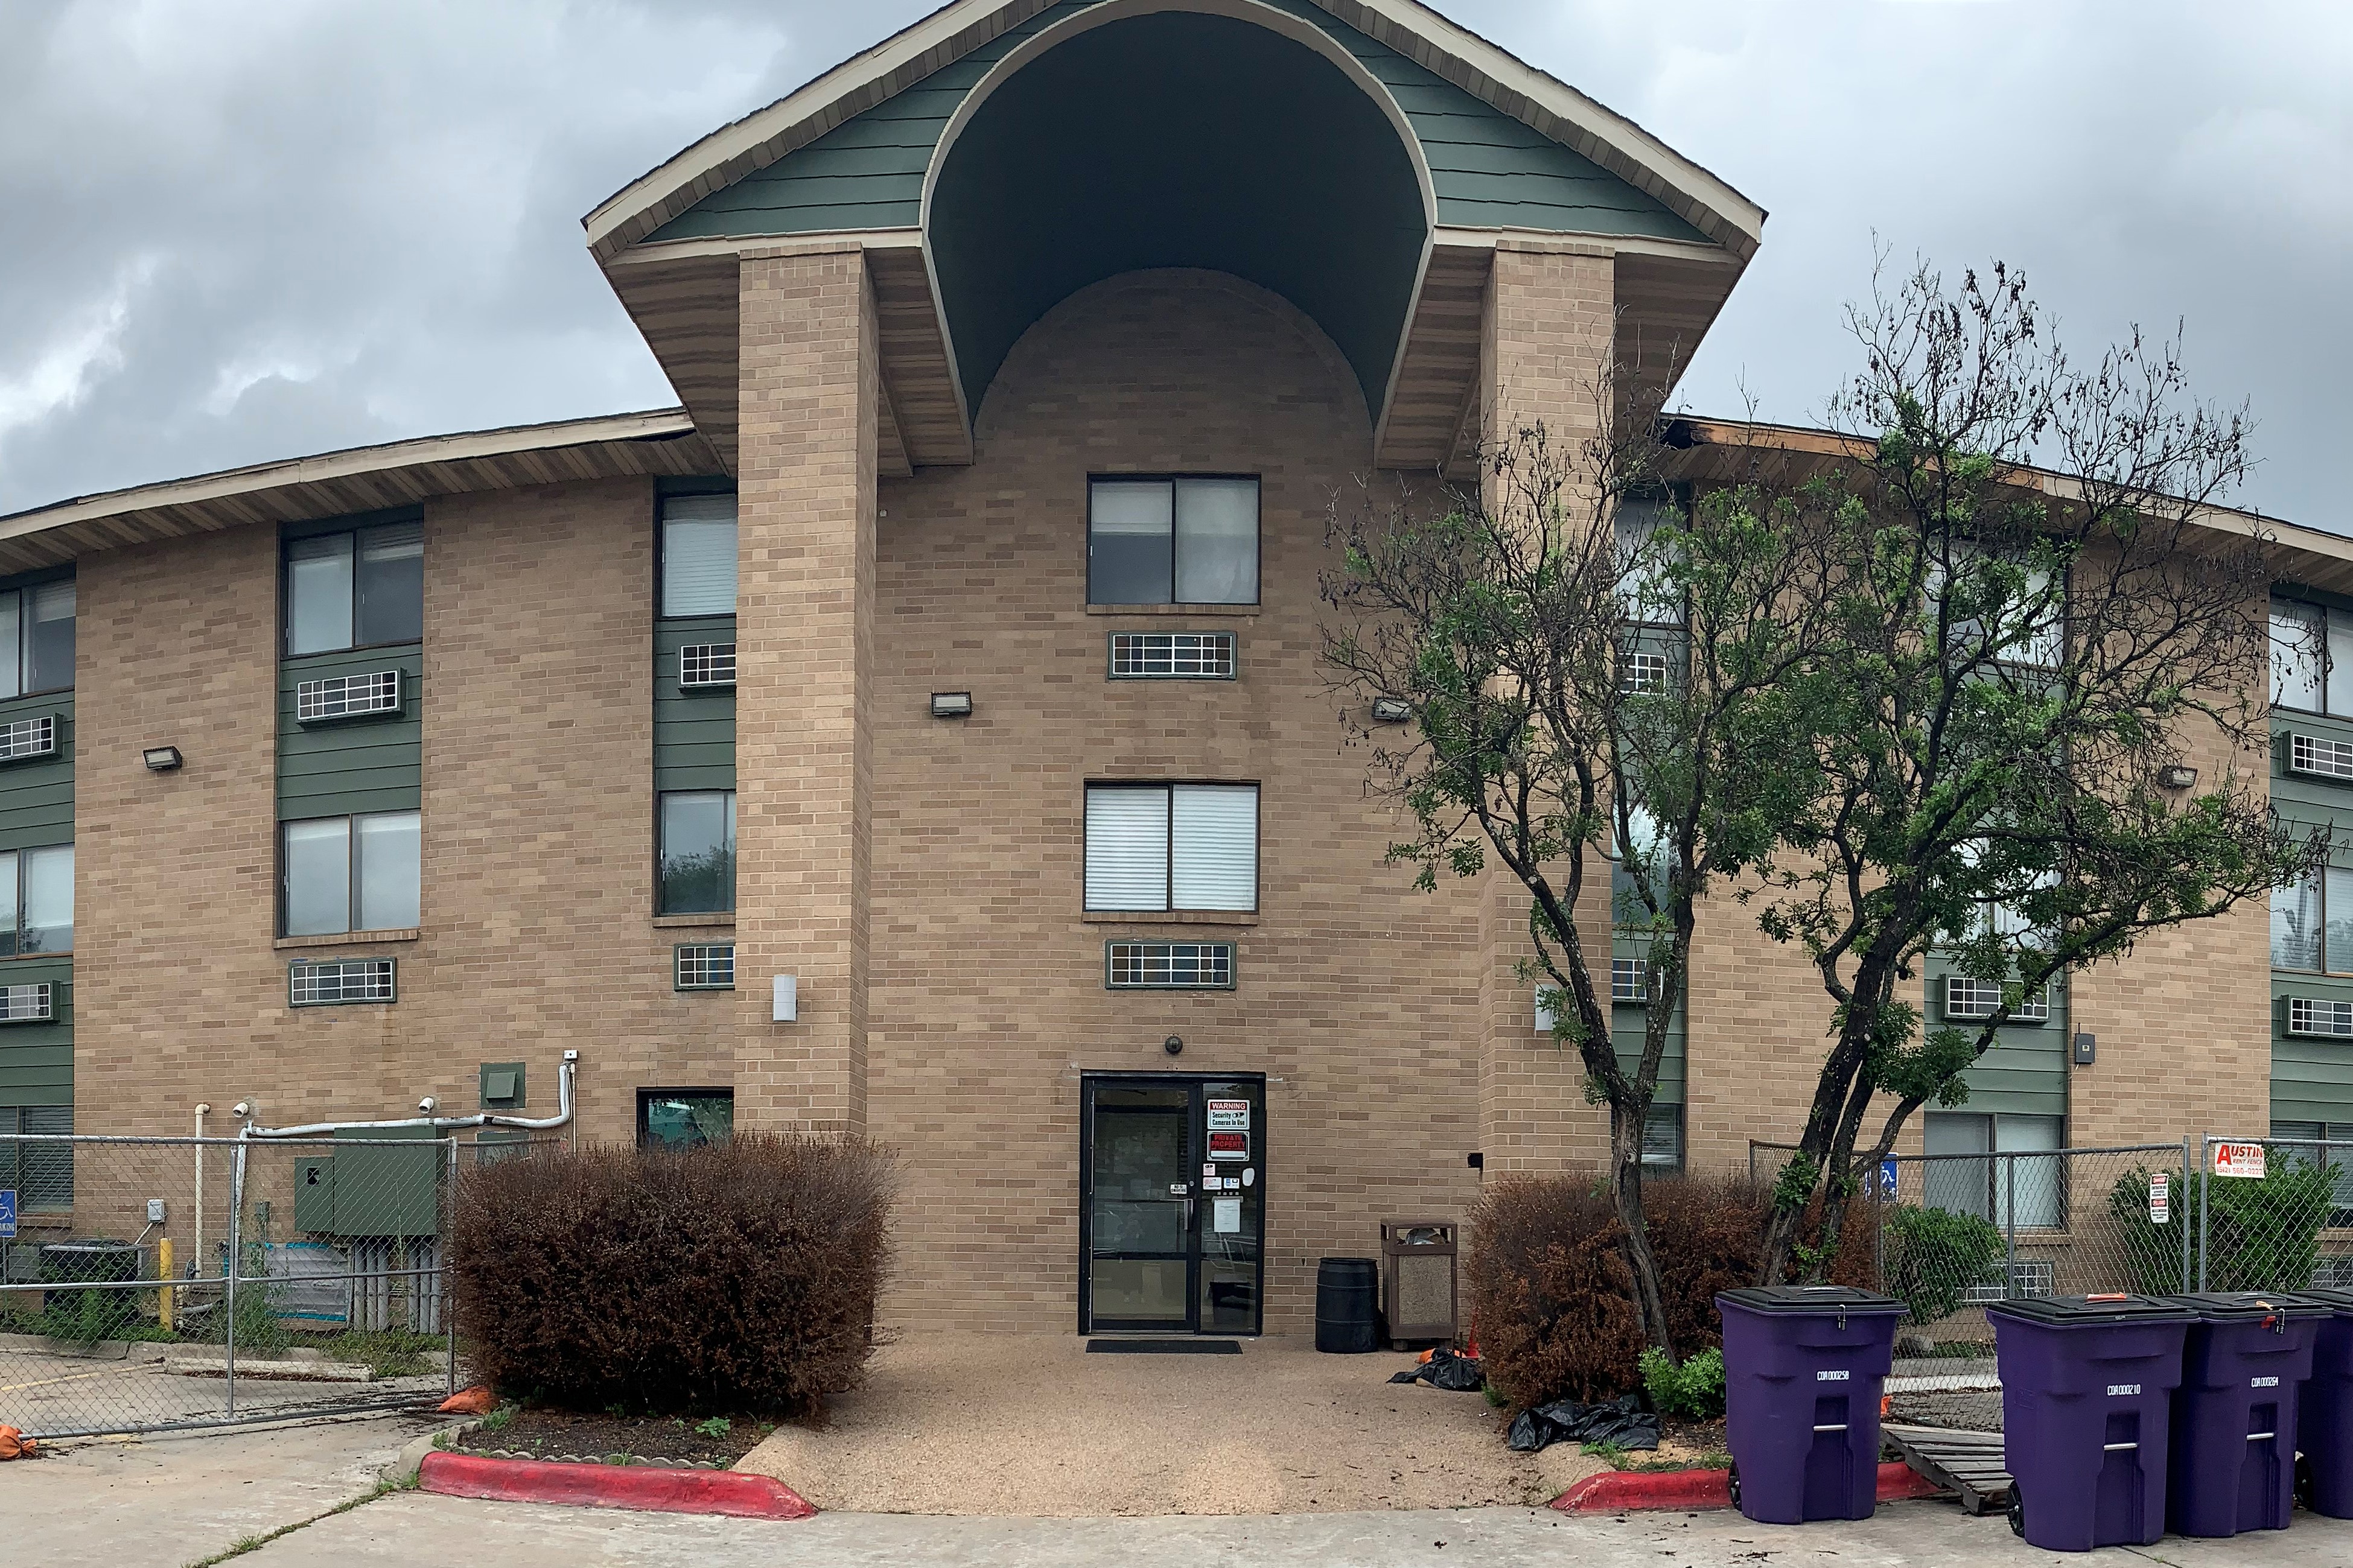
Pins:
<point x="163" y="1271"/>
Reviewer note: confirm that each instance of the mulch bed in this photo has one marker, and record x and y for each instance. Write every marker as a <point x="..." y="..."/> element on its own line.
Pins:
<point x="542" y="1433"/>
<point x="1682" y="1445"/>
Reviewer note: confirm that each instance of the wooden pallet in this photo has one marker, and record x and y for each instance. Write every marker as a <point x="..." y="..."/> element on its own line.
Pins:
<point x="1969" y="1463"/>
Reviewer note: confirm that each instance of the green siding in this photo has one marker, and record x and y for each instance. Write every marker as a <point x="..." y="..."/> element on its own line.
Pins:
<point x="2025" y="1072"/>
<point x="694" y="732"/>
<point x="37" y="798"/>
<point x="36" y="1059"/>
<point x="355" y="765"/>
<point x="1486" y="169"/>
<point x="1626" y="1024"/>
<point x="2312" y="1079"/>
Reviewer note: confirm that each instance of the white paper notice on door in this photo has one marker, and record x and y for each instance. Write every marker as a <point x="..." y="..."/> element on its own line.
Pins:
<point x="1226" y="1215"/>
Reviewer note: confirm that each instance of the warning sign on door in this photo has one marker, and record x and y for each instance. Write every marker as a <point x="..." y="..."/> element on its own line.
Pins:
<point x="2239" y="1160"/>
<point x="1229" y="1116"/>
<point x="1228" y="1145"/>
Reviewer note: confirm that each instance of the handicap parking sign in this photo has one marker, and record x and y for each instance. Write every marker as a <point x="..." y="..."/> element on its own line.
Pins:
<point x="7" y="1214"/>
<point x="1887" y="1178"/>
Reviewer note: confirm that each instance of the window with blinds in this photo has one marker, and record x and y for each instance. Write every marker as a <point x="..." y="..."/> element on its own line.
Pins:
<point x="1172" y="846"/>
<point x="698" y="556"/>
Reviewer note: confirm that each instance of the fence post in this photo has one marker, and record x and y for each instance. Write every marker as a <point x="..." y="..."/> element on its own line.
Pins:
<point x="1878" y="1228"/>
<point x="2186" y="1284"/>
<point x="2205" y="1177"/>
<point x="2009" y="1228"/>
<point x="235" y="1267"/>
<point x="450" y="1272"/>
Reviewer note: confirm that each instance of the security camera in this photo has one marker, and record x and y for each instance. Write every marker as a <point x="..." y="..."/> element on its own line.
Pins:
<point x="426" y="1104"/>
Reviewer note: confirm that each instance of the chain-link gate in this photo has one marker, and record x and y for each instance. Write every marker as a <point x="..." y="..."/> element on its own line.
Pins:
<point x="2274" y="1214"/>
<point x="161" y="1283"/>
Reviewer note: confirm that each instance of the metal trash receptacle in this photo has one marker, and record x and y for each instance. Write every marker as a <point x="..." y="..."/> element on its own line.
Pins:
<point x="1419" y="1296"/>
<point x="2087" y="1388"/>
<point x="1802" y="1369"/>
<point x="2232" y="1466"/>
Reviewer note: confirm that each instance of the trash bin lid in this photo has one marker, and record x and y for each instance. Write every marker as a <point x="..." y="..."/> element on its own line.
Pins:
<point x="1810" y="1299"/>
<point x="2335" y="1299"/>
<point x="2090" y="1311"/>
<point x="2246" y="1306"/>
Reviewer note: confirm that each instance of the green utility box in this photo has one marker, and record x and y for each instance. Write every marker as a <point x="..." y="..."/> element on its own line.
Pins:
<point x="372" y="1191"/>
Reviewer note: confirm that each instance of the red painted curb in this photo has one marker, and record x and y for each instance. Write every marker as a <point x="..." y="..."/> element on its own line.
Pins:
<point x="648" y="1488"/>
<point x="1625" y="1491"/>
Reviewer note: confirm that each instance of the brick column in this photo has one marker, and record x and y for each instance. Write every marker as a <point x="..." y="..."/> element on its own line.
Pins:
<point x="804" y="634"/>
<point x="1546" y="332"/>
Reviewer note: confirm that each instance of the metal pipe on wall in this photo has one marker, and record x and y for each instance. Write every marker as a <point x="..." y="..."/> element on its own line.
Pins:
<point x="563" y="1117"/>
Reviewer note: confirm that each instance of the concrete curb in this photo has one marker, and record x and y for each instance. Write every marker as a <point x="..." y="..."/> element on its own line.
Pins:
<point x="650" y="1488"/>
<point x="404" y="1468"/>
<point x="1630" y="1492"/>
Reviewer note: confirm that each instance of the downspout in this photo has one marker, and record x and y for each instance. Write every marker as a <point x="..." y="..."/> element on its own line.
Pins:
<point x="563" y="1117"/>
<point x="199" y="1259"/>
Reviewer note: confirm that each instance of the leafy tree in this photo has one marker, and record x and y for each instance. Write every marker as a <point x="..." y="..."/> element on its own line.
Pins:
<point x="2039" y="613"/>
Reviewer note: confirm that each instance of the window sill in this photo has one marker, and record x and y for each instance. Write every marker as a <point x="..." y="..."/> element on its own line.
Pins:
<point x="1170" y="917"/>
<point x="346" y="938"/>
<point x="1195" y="611"/>
<point x="34" y="957"/>
<point x="683" y="922"/>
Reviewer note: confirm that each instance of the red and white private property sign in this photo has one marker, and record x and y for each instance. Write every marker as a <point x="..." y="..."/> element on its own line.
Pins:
<point x="2239" y="1160"/>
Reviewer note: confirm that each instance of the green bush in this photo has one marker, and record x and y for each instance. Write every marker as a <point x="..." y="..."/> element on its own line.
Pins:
<point x="2262" y="1235"/>
<point x="736" y="1276"/>
<point x="1933" y="1254"/>
<point x="1694" y="1391"/>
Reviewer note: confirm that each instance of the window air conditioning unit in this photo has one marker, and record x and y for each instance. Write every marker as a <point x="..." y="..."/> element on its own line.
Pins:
<point x="705" y="665"/>
<point x="28" y="1004"/>
<point x="1968" y="1000"/>
<point x="1169" y="965"/>
<point x="329" y="981"/>
<point x="2316" y="1015"/>
<point x="706" y="966"/>
<point x="23" y="739"/>
<point x="2319" y="758"/>
<point x="1172" y="655"/>
<point x="1642" y="672"/>
<point x="369" y="696"/>
<point x="1630" y="981"/>
<point x="2028" y="1277"/>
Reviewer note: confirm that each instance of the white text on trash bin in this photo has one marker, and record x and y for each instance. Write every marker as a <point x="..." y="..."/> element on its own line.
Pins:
<point x="1829" y="1377"/>
<point x="2122" y="1390"/>
<point x="2263" y="1383"/>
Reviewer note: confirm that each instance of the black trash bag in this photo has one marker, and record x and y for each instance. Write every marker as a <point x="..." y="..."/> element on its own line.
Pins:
<point x="1446" y="1370"/>
<point x="1622" y="1423"/>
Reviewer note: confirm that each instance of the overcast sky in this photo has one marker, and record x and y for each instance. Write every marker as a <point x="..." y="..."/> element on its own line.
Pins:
<point x="232" y="230"/>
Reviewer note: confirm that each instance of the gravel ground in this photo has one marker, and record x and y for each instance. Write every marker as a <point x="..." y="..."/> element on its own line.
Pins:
<point x="1007" y="1425"/>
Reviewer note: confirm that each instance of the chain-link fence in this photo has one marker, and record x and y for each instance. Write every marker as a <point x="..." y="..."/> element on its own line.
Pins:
<point x="2274" y="1214"/>
<point x="158" y="1283"/>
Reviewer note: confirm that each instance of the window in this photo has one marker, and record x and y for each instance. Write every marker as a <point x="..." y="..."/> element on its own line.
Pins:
<point x="2323" y="1143"/>
<point x="41" y="1173"/>
<point x="1663" y="1138"/>
<point x="41" y="882"/>
<point x="2312" y="924"/>
<point x="1990" y="1188"/>
<point x="698" y="852"/>
<point x="2030" y="625"/>
<point x="1169" y="965"/>
<point x="698" y="556"/>
<point x="361" y="589"/>
<point x="352" y="873"/>
<point x="1172" y="541"/>
<point x="1647" y="592"/>
<point x="2311" y="657"/>
<point x="36" y="639"/>
<point x="685" y="1117"/>
<point x="1172" y="846"/>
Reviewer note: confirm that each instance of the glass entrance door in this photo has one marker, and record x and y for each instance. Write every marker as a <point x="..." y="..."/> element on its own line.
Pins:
<point x="1173" y="1194"/>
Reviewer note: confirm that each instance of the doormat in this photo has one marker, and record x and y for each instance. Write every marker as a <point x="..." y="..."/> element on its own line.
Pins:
<point x="1163" y="1347"/>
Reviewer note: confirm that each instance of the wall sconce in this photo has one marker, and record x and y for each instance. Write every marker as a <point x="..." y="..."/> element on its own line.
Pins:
<point x="951" y="704"/>
<point x="2178" y="776"/>
<point x="161" y="759"/>
<point x="786" y="1006"/>
<point x="1391" y="711"/>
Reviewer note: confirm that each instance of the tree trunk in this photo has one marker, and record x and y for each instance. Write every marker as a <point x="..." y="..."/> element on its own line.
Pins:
<point x="1626" y="1195"/>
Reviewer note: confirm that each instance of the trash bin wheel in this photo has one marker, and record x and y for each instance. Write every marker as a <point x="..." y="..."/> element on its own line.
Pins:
<point x="2017" y="1513"/>
<point x="2303" y="1479"/>
<point x="1732" y="1482"/>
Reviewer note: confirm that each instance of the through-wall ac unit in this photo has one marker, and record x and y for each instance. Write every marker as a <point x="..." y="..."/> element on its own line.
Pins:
<point x="2318" y="1015"/>
<point x="28" y="1004"/>
<point x="1977" y="1000"/>
<point x="2319" y="757"/>
<point x="704" y="665"/>
<point x="326" y="983"/>
<point x="2028" y="1277"/>
<point x="368" y="696"/>
<point x="23" y="739"/>
<point x="1630" y="981"/>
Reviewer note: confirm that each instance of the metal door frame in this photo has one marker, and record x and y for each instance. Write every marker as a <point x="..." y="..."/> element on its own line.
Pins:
<point x="1195" y="1085"/>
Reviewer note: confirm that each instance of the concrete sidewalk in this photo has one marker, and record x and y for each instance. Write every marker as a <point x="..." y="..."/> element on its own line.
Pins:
<point x="416" y="1530"/>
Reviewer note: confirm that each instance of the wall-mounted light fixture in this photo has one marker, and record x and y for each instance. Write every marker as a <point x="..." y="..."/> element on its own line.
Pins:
<point x="1174" y="1045"/>
<point x="786" y="1006"/>
<point x="951" y="704"/>
<point x="2178" y="776"/>
<point x="1391" y="711"/>
<point x="161" y="759"/>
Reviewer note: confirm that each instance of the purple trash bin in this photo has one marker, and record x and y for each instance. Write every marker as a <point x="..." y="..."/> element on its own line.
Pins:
<point x="2086" y="1389"/>
<point x="1802" y="1366"/>
<point x="2324" y="1411"/>
<point x="2233" y="1467"/>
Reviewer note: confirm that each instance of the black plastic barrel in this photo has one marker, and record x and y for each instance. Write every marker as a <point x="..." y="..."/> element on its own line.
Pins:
<point x="1347" y="1299"/>
<point x="89" y="1314"/>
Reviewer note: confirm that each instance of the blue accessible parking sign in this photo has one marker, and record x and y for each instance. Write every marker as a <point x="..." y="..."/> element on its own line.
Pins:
<point x="7" y="1214"/>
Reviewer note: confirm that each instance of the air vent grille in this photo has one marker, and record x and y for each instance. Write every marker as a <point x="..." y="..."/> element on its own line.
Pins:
<point x="1639" y="672"/>
<point x="1172" y="655"/>
<point x="706" y="966"/>
<point x="28" y="1004"/>
<point x="22" y="739"/>
<point x="2028" y="1277"/>
<point x="706" y="664"/>
<point x="329" y="981"/>
<point x="2319" y="757"/>
<point x="2316" y="1015"/>
<point x="1169" y="965"/>
<point x="1968" y="999"/>
<point x="333" y="697"/>
<point x="1630" y="981"/>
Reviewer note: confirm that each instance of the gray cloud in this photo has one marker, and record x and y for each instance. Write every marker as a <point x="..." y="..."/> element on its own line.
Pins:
<point x="233" y="230"/>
